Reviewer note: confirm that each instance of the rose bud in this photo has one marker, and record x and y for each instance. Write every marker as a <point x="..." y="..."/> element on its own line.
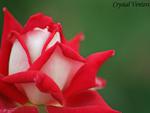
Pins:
<point x="46" y="69"/>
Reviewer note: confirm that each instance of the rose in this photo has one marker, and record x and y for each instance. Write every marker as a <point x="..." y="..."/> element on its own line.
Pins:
<point x="44" y="68"/>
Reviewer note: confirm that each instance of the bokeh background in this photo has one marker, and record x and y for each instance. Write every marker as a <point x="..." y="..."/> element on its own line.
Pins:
<point x="127" y="30"/>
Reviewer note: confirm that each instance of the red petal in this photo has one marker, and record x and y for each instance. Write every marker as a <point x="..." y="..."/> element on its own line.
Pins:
<point x="42" y="81"/>
<point x="49" y="40"/>
<point x="10" y="23"/>
<point x="46" y="84"/>
<point x="55" y="27"/>
<point x="26" y="109"/>
<point x="75" y="42"/>
<point x="5" y="102"/>
<point x="7" y="106"/>
<point x="42" y="21"/>
<point x="11" y="92"/>
<point x="85" y="78"/>
<point x="85" y="102"/>
<point x="37" y="65"/>
<point x="37" y="20"/>
<point x="68" y="52"/>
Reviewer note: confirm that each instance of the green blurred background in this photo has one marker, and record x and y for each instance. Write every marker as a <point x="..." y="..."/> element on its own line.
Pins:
<point x="127" y="30"/>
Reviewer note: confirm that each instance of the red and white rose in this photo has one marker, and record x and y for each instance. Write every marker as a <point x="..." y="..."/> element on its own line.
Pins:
<point x="38" y="65"/>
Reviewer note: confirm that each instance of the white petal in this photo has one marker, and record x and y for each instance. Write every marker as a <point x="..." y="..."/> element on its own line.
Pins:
<point x="55" y="39"/>
<point x="18" y="59"/>
<point x="60" y="68"/>
<point x="35" y="40"/>
<point x="35" y="95"/>
<point x="18" y="62"/>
